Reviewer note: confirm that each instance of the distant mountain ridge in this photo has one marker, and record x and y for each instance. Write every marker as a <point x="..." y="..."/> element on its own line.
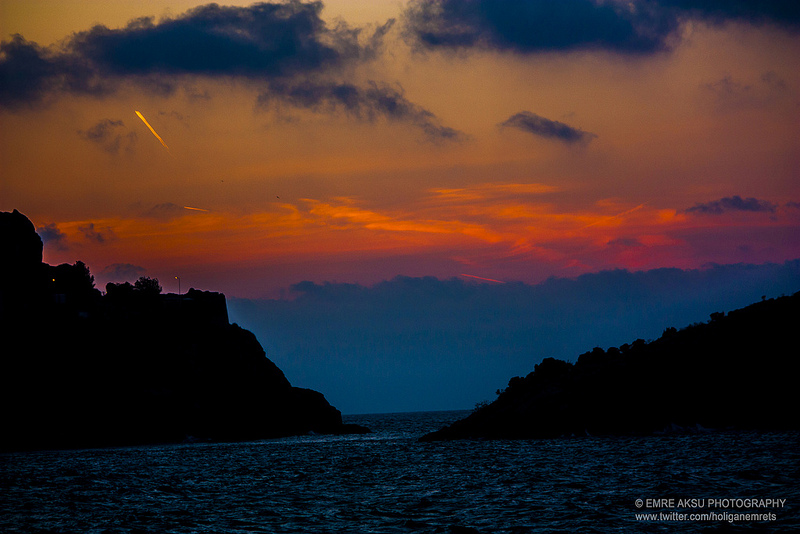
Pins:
<point x="82" y="369"/>
<point x="737" y="371"/>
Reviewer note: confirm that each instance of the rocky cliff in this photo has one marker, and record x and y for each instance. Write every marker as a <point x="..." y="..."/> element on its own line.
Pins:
<point x="82" y="369"/>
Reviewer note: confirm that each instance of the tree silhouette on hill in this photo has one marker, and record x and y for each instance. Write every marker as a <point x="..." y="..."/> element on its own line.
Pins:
<point x="147" y="285"/>
<point x="82" y="369"/>
<point x="735" y="371"/>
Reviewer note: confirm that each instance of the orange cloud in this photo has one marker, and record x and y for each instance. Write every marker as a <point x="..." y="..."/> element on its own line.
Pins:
<point x="484" y="226"/>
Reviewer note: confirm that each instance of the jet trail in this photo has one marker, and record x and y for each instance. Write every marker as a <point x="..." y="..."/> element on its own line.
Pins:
<point x="196" y="209"/>
<point x="152" y="130"/>
<point x="611" y="217"/>
<point x="482" y="278"/>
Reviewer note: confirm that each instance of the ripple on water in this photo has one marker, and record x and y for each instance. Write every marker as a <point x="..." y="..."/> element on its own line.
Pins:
<point x="386" y="482"/>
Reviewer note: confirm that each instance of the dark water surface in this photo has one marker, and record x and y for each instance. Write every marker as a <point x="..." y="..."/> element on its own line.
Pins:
<point x="386" y="482"/>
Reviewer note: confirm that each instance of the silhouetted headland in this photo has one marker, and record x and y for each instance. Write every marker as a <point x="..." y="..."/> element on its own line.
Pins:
<point x="737" y="371"/>
<point x="133" y="366"/>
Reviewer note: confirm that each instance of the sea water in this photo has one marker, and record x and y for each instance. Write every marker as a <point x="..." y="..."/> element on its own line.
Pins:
<point x="388" y="482"/>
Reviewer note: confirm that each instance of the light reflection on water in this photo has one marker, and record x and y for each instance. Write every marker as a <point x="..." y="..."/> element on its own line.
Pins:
<point x="386" y="482"/>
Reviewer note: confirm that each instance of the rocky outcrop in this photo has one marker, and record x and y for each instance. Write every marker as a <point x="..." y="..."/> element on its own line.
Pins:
<point x="81" y="369"/>
<point x="21" y="245"/>
<point x="737" y="371"/>
<point x="20" y="262"/>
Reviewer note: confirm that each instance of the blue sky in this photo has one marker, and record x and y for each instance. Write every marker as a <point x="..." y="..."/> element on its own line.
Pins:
<point x="412" y="344"/>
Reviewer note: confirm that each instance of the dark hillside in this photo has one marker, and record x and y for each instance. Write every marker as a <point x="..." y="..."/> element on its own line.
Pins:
<point x="736" y="371"/>
<point x="82" y="369"/>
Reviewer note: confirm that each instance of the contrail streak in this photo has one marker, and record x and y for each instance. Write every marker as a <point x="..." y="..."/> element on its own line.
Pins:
<point x="196" y="209"/>
<point x="611" y="217"/>
<point x="482" y="278"/>
<point x="152" y="130"/>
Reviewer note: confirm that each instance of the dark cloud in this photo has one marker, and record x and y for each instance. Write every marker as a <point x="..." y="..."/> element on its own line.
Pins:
<point x="785" y="13"/>
<point x="730" y="93"/>
<point x="262" y="42"/>
<point x="122" y="272"/>
<point x="106" y="134"/>
<point x="279" y="45"/>
<point x="536" y="125"/>
<point x="638" y="27"/>
<point x="52" y="236"/>
<point x="25" y="72"/>
<point x="98" y="235"/>
<point x="727" y="88"/>
<point x="180" y="117"/>
<point x="28" y="73"/>
<point x="734" y="203"/>
<point x="539" y="25"/>
<point x="424" y="344"/>
<point x="365" y="103"/>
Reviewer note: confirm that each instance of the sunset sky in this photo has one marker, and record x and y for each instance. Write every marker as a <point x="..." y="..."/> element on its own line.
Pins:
<point x="409" y="202"/>
<point x="357" y="141"/>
